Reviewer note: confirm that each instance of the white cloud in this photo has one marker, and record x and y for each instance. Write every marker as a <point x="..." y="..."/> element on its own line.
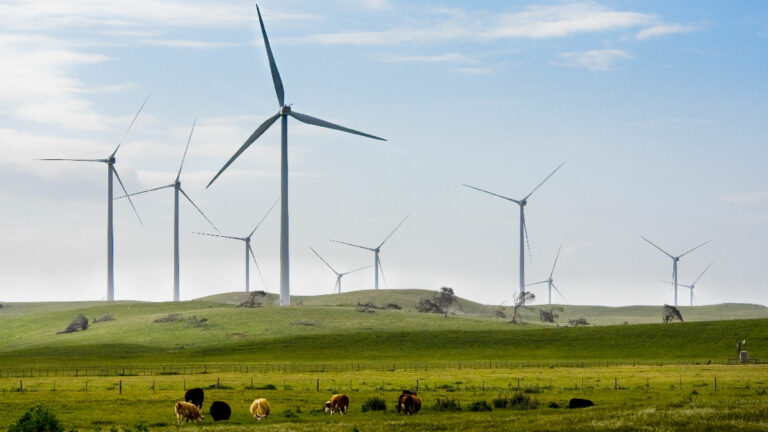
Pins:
<point x="760" y="197"/>
<point x="188" y="43"/>
<point x="596" y="60"/>
<point x="439" y="58"/>
<point x="475" y="70"/>
<point x="661" y="30"/>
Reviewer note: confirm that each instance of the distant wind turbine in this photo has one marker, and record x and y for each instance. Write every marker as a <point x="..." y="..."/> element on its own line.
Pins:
<point x="550" y="282"/>
<point x="523" y="228"/>
<point x="110" y="161"/>
<point x="337" y="286"/>
<point x="176" y="185"/>
<point x="283" y="113"/>
<point x="693" y="284"/>
<point x="248" y="249"/>
<point x="675" y="259"/>
<point x="376" y="250"/>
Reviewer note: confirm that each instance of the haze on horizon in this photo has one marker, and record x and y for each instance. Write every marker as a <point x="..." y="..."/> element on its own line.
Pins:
<point x="659" y="110"/>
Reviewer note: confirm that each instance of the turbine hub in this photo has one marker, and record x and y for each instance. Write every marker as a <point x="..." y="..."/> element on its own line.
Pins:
<point x="523" y="203"/>
<point x="285" y="110"/>
<point x="111" y="160"/>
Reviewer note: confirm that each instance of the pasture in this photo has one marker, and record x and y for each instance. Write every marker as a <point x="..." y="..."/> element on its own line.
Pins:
<point x="627" y="398"/>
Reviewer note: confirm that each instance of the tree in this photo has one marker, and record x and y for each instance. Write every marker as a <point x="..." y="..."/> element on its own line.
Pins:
<point x="521" y="301"/>
<point x="671" y="313"/>
<point x="445" y="299"/>
<point x="548" y="316"/>
<point x="254" y="299"/>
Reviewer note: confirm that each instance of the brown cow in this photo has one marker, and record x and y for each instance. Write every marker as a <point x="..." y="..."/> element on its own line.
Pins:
<point x="409" y="403"/>
<point x="338" y="403"/>
<point x="260" y="409"/>
<point x="187" y="411"/>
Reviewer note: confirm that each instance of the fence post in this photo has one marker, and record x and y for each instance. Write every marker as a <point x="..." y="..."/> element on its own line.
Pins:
<point x="715" y="383"/>
<point x="251" y="383"/>
<point x="86" y="386"/>
<point x="121" y="386"/>
<point x="417" y="384"/>
<point x="317" y="385"/>
<point x="615" y="383"/>
<point x="518" y="384"/>
<point x="218" y="383"/>
<point x="21" y="386"/>
<point x="54" y="385"/>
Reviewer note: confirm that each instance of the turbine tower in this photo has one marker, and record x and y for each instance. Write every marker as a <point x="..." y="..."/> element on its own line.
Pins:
<point x="337" y="286"/>
<point x="110" y="161"/>
<point x="693" y="284"/>
<point x="248" y="249"/>
<point x="550" y="282"/>
<point x="376" y="250"/>
<point x="176" y="185"/>
<point x="523" y="229"/>
<point x="283" y="113"/>
<point x="675" y="260"/>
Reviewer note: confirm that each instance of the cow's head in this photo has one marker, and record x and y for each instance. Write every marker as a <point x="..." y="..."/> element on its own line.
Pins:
<point x="199" y="419"/>
<point x="327" y="406"/>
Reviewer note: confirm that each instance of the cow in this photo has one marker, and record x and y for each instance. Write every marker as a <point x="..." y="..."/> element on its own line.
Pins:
<point x="580" y="403"/>
<point x="220" y="411"/>
<point x="195" y="396"/>
<point x="338" y="403"/>
<point x="260" y="409"/>
<point x="408" y="403"/>
<point x="400" y="398"/>
<point x="187" y="411"/>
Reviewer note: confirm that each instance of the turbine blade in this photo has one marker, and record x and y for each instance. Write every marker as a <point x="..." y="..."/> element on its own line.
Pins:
<point x="352" y="244"/>
<point x="272" y="66"/>
<point x="537" y="283"/>
<point x="75" y="160"/>
<point x="702" y="273"/>
<point x="657" y="247"/>
<point x="217" y="235"/>
<point x="553" y="265"/>
<point x="558" y="291"/>
<point x="691" y="250"/>
<point x="129" y="127"/>
<point x="542" y="182"/>
<point x="323" y="260"/>
<point x="198" y="209"/>
<point x="117" y="176"/>
<point x="262" y="219"/>
<point x="258" y="269"/>
<point x="322" y="123"/>
<point x="257" y="133"/>
<point x="527" y="242"/>
<point x="393" y="231"/>
<point x="381" y="269"/>
<point x="356" y="270"/>
<point x="491" y="193"/>
<point x="186" y="149"/>
<point x="145" y="191"/>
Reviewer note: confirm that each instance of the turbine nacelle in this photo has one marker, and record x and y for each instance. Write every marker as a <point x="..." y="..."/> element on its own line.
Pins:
<point x="285" y="110"/>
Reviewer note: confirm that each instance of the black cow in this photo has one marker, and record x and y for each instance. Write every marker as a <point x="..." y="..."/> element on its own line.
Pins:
<point x="195" y="397"/>
<point x="580" y="403"/>
<point x="220" y="411"/>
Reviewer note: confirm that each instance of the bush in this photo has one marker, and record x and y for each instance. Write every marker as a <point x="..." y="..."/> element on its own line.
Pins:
<point x="171" y="317"/>
<point x="104" y="319"/>
<point x="374" y="404"/>
<point x="500" y="402"/>
<point x="478" y="406"/>
<point x="520" y="401"/>
<point x="446" y="405"/>
<point x="37" y="419"/>
<point x="80" y="323"/>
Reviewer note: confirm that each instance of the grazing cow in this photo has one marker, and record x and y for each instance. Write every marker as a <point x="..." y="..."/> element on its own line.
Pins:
<point x="260" y="409"/>
<point x="400" y="398"/>
<point x="580" y="403"/>
<point x="195" y="396"/>
<point x="409" y="403"/>
<point x="220" y="411"/>
<point x="338" y="403"/>
<point x="187" y="411"/>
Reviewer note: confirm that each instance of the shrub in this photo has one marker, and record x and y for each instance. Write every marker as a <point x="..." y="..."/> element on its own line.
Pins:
<point x="446" y="405"/>
<point x="478" y="406"/>
<point x="374" y="404"/>
<point x="171" y="317"/>
<point x="500" y="402"/>
<point x="103" y="319"/>
<point x="37" y="419"/>
<point x="522" y="401"/>
<point x="578" y="322"/>
<point x="80" y="323"/>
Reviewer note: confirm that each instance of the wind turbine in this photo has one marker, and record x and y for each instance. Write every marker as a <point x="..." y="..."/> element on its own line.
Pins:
<point x="248" y="249"/>
<point x="110" y="161"/>
<point x="375" y="250"/>
<point x="693" y="284"/>
<point x="283" y="113"/>
<point x="337" y="286"/>
<point x="550" y="282"/>
<point x="176" y="185"/>
<point x="523" y="229"/>
<point x="675" y="259"/>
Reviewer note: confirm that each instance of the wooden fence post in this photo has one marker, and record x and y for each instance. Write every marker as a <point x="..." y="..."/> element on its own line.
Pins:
<point x="121" y="386"/>
<point x="317" y="385"/>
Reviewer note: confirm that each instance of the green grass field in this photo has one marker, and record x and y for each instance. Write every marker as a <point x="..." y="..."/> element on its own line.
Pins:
<point x="663" y="381"/>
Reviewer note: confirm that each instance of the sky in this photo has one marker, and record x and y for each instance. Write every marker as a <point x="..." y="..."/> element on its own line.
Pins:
<point x="658" y="109"/>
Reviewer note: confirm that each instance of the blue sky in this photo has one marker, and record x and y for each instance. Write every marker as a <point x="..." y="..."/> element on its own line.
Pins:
<point x="659" y="109"/>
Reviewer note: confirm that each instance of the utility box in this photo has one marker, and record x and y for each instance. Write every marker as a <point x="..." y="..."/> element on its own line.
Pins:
<point x="743" y="357"/>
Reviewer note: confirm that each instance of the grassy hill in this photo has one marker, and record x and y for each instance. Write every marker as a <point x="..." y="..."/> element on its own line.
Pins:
<point x="328" y="329"/>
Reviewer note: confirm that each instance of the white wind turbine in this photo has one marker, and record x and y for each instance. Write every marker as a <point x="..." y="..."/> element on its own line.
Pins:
<point x="248" y="250"/>
<point x="283" y="113"/>
<point x="375" y="250"/>
<point x="176" y="185"/>
<point x="675" y="260"/>
<point x="337" y="286"/>
<point x="110" y="161"/>
<point x="693" y="284"/>
<point x="550" y="282"/>
<point x="523" y="229"/>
